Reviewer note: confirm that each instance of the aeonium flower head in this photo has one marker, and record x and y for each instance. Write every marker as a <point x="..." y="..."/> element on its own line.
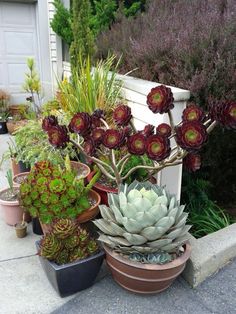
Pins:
<point x="122" y="115"/>
<point x="191" y="135"/>
<point x="81" y="123"/>
<point x="158" y="147"/>
<point x="160" y="99"/>
<point x="58" y="136"/>
<point x="48" y="122"/>
<point x="113" y="138"/>
<point x="224" y="112"/>
<point x="137" y="144"/>
<point x="193" y="113"/>
<point x="192" y="162"/>
<point x="164" y="129"/>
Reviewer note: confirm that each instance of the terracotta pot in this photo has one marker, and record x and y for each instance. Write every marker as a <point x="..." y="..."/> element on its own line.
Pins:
<point x="145" y="278"/>
<point x="102" y="189"/>
<point x="13" y="126"/>
<point x="15" y="167"/>
<point x="17" y="110"/>
<point x="21" y="230"/>
<point x="47" y="228"/>
<point x="12" y="211"/>
<point x="92" y="212"/>
<point x="83" y="170"/>
<point x="19" y="176"/>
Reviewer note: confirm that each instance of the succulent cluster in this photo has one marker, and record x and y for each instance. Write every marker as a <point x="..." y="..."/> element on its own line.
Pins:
<point x="67" y="242"/>
<point x="142" y="218"/>
<point x="100" y="139"/>
<point x="49" y="192"/>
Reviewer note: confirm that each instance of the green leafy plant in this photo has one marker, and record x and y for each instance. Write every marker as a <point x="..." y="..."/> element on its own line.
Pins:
<point x="10" y="180"/>
<point x="94" y="88"/>
<point x="50" y="192"/>
<point x="67" y="242"/>
<point x="4" y="100"/>
<point x="143" y="218"/>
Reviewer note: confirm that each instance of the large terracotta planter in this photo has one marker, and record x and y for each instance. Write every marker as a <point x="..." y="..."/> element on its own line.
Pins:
<point x="145" y="278"/>
<point x="92" y="212"/>
<point x="82" y="169"/>
<point x="12" y="211"/>
<point x="19" y="177"/>
<point x="102" y="189"/>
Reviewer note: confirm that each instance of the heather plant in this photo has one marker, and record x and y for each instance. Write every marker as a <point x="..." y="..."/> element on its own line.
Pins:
<point x="67" y="242"/>
<point x="96" y="138"/>
<point x="194" y="48"/>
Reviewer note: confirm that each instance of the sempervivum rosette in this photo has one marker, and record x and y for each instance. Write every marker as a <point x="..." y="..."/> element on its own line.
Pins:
<point x="192" y="162"/>
<point x="58" y="136"/>
<point x="122" y="115"/>
<point x="224" y="113"/>
<point x="97" y="135"/>
<point x="148" y="130"/>
<point x="113" y="138"/>
<point x="64" y="228"/>
<point x="193" y="113"/>
<point x="81" y="123"/>
<point x="160" y="99"/>
<point x="49" y="122"/>
<point x="137" y="144"/>
<point x="158" y="147"/>
<point x="191" y="135"/>
<point x="164" y="129"/>
<point x="50" y="246"/>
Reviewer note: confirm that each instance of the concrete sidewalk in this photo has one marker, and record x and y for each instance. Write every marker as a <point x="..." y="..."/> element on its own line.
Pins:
<point x="24" y="288"/>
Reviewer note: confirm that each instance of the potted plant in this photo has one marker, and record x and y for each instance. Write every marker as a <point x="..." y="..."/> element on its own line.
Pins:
<point x="21" y="228"/>
<point x="4" y="98"/>
<point x="9" y="202"/>
<point x="70" y="258"/>
<point x="49" y="193"/>
<point x="144" y="233"/>
<point x="97" y="139"/>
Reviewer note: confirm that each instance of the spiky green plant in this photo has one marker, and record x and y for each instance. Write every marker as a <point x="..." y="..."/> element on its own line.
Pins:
<point x="49" y="193"/>
<point x="67" y="242"/>
<point x="143" y="218"/>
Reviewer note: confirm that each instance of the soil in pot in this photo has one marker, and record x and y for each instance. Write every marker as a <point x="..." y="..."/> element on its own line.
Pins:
<point x="21" y="229"/>
<point x="3" y="127"/>
<point x="12" y="211"/>
<point x="145" y="278"/>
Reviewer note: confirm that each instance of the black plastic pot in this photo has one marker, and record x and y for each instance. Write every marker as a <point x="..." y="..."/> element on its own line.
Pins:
<point x="73" y="277"/>
<point x="23" y="167"/>
<point x="36" y="226"/>
<point x="3" y="127"/>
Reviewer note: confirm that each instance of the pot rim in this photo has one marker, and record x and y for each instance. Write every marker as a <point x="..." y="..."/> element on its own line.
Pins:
<point x="8" y="203"/>
<point x="100" y="186"/>
<point x="20" y="175"/>
<point x="83" y="166"/>
<point x="100" y="253"/>
<point x="175" y="263"/>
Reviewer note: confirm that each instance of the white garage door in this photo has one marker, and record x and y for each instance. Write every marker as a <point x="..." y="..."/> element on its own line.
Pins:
<point x="18" y="41"/>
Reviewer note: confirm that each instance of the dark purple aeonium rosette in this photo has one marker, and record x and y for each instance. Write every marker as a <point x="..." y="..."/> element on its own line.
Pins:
<point x="113" y="139"/>
<point x="96" y="117"/>
<point x="224" y="112"/>
<point x="193" y="113"/>
<point x="148" y="130"/>
<point x="81" y="123"/>
<point x="48" y="122"/>
<point x="137" y="144"/>
<point x="160" y="99"/>
<point x="97" y="135"/>
<point x="58" y="136"/>
<point x="90" y="147"/>
<point x="164" y="129"/>
<point x="192" y="162"/>
<point x="158" y="147"/>
<point x="122" y="115"/>
<point x="191" y="135"/>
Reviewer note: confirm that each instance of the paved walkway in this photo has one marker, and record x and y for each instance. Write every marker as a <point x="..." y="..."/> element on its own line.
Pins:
<point x="24" y="288"/>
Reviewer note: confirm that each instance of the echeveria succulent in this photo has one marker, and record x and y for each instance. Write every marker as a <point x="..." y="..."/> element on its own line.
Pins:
<point x="142" y="218"/>
<point x="160" y="99"/>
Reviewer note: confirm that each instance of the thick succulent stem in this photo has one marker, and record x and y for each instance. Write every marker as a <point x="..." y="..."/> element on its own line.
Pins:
<point x="114" y="167"/>
<point x="211" y="126"/>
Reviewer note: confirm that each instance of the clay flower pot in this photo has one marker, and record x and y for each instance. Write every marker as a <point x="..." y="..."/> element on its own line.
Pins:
<point x="14" y="167"/>
<point x="145" y="278"/>
<point x="82" y="169"/>
<point x="92" y="212"/>
<point x="21" y="229"/>
<point x="17" y="179"/>
<point x="102" y="190"/>
<point x="12" y="211"/>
